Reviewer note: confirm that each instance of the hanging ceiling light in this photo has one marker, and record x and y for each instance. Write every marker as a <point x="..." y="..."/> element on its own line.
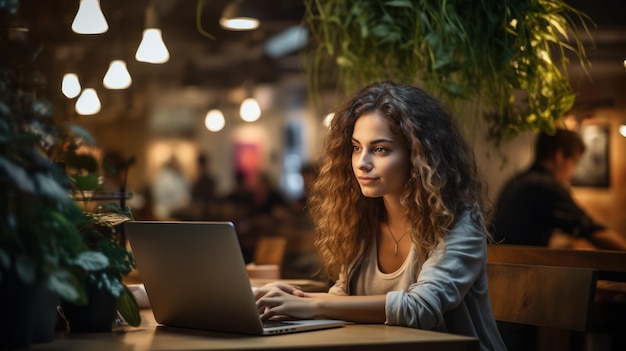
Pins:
<point x="214" y="120"/>
<point x="239" y="15"/>
<point x="70" y="86"/>
<point x="622" y="129"/>
<point x="89" y="18"/>
<point x="88" y="103"/>
<point x="250" y="110"/>
<point x="152" y="49"/>
<point x="117" y="77"/>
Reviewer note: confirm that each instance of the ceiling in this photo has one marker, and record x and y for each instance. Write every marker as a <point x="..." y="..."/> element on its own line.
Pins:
<point x="230" y="59"/>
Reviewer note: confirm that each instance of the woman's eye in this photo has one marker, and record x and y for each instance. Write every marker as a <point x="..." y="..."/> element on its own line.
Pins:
<point x="356" y="148"/>
<point x="381" y="150"/>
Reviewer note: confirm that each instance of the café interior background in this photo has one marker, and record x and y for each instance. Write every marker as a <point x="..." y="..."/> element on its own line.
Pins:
<point x="163" y="111"/>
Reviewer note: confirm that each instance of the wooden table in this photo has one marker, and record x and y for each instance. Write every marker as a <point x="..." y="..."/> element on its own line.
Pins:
<point x="150" y="336"/>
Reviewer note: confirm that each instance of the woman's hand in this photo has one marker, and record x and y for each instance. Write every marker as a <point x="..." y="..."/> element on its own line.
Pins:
<point x="283" y="299"/>
<point x="290" y="289"/>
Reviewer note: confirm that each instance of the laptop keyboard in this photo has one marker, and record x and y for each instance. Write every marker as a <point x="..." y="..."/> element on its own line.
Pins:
<point x="275" y="323"/>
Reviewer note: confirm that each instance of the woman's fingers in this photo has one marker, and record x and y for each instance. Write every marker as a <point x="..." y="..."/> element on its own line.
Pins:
<point x="288" y="288"/>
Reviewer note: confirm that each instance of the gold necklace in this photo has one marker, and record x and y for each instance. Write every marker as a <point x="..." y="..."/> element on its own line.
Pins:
<point x="395" y="249"/>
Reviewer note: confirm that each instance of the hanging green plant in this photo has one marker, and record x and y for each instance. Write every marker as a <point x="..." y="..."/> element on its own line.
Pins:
<point x="506" y="59"/>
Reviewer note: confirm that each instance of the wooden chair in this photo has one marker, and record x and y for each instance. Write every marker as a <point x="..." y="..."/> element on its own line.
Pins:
<point x="268" y="258"/>
<point x="611" y="265"/>
<point x="270" y="250"/>
<point x="610" y="286"/>
<point x="543" y="296"/>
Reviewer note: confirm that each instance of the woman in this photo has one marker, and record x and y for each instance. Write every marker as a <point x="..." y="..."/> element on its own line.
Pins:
<point x="399" y="221"/>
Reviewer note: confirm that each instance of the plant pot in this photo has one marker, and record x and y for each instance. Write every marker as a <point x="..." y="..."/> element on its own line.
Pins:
<point x="98" y="315"/>
<point x="28" y="313"/>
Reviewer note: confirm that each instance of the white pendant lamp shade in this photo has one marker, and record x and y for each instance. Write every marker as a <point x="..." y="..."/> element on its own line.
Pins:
<point x="70" y="85"/>
<point x="152" y="49"/>
<point x="250" y="110"/>
<point x="117" y="77"/>
<point x="214" y="120"/>
<point x="239" y="23"/>
<point x="88" y="103"/>
<point x="89" y="18"/>
<point x="622" y="129"/>
<point x="239" y="15"/>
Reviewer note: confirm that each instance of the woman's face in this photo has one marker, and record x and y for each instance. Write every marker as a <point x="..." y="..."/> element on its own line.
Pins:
<point x="380" y="159"/>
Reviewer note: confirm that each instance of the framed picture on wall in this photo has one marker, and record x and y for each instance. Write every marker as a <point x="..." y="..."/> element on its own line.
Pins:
<point x="593" y="168"/>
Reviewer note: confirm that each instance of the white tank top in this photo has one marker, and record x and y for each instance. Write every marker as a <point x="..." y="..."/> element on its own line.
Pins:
<point x="369" y="280"/>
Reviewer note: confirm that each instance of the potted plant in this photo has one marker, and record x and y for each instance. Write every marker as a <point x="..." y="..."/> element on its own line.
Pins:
<point x="101" y="228"/>
<point x="106" y="292"/>
<point x="42" y="255"/>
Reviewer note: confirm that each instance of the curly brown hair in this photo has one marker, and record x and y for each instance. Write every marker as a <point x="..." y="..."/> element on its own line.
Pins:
<point x="443" y="181"/>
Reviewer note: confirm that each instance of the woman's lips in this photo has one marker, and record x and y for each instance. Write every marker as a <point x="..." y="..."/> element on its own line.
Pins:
<point x="367" y="180"/>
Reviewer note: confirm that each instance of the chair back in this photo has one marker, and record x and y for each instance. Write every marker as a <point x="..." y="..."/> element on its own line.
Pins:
<point x="270" y="250"/>
<point x="611" y="265"/>
<point x="554" y="297"/>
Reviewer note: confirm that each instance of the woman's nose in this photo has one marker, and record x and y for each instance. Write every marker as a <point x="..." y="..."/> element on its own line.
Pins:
<point x="365" y="163"/>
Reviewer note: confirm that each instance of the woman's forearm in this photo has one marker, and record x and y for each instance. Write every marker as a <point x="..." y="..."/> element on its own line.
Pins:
<point x="361" y="309"/>
<point x="609" y="240"/>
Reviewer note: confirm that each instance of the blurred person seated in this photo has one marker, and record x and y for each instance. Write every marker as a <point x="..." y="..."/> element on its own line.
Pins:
<point x="267" y="199"/>
<point x="537" y="202"/>
<point x="203" y="191"/>
<point x="234" y="206"/>
<point x="170" y="190"/>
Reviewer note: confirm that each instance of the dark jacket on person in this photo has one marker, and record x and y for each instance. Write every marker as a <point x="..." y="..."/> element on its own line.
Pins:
<point x="533" y="205"/>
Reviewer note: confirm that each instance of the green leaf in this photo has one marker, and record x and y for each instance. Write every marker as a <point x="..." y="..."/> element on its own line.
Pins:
<point x="5" y="259"/>
<point x="128" y="308"/>
<point x="455" y="89"/>
<point x="26" y="268"/>
<point x="91" y="261"/>
<point x="89" y="182"/>
<point x="49" y="188"/>
<point x="380" y="31"/>
<point x="82" y="133"/>
<point x="5" y="135"/>
<point x="399" y="3"/>
<point x="17" y="175"/>
<point x="67" y="286"/>
<point x="82" y="162"/>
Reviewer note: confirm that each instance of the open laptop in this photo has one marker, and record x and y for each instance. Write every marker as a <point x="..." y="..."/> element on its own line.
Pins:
<point x="195" y="277"/>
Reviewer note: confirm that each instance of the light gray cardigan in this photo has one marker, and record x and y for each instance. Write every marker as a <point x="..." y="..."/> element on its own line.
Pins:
<point x="449" y="293"/>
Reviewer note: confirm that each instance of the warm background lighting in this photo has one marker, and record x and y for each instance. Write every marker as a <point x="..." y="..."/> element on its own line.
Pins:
<point x="89" y="18"/>
<point x="152" y="48"/>
<point x="239" y="15"/>
<point x="88" y="103"/>
<point x="622" y="129"/>
<point x="70" y="85"/>
<point x="117" y="77"/>
<point x="250" y="110"/>
<point x="214" y="120"/>
<point x="329" y="118"/>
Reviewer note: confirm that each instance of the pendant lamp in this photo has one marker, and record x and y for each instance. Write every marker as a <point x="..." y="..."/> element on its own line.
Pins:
<point x="152" y="49"/>
<point x="89" y="18"/>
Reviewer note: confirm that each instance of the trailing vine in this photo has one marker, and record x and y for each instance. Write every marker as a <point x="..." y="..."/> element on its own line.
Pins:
<point x="506" y="59"/>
